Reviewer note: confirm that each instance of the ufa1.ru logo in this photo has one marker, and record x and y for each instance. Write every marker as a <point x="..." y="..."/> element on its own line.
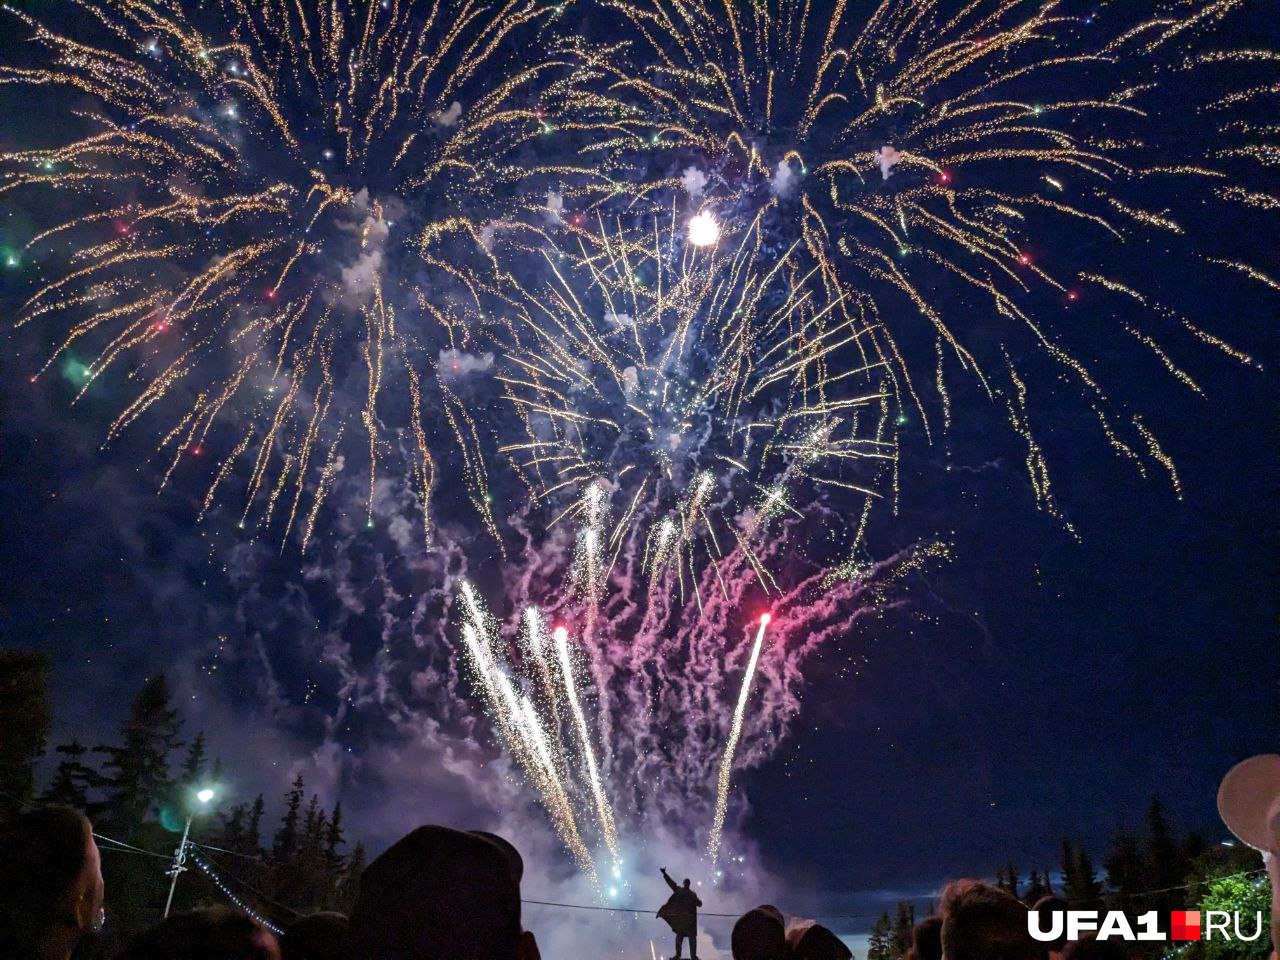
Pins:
<point x="1183" y="925"/>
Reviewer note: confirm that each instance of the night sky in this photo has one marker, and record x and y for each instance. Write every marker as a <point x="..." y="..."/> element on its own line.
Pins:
<point x="1037" y="686"/>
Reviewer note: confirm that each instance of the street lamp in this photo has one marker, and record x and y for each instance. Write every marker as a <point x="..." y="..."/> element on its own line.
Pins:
<point x="203" y="796"/>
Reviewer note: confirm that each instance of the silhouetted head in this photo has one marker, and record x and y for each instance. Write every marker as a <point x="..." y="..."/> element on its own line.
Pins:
<point x="686" y="883"/>
<point x="218" y="933"/>
<point x="1093" y="949"/>
<point x="759" y="934"/>
<point x="926" y="940"/>
<point x="980" y="922"/>
<point x="441" y="894"/>
<point x="50" y="882"/>
<point x="319" y="936"/>
<point x="813" y="941"/>
<point x="1047" y="906"/>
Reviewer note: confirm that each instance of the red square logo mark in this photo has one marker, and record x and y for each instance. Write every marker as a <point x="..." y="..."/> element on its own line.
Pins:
<point x="1185" y="925"/>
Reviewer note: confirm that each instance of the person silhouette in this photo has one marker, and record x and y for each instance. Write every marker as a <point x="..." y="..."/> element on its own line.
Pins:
<point x="681" y="913"/>
<point x="1249" y="804"/>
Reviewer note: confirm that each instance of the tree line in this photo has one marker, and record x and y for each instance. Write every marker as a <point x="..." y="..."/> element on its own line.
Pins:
<point x="139" y="788"/>
<point x="1155" y="868"/>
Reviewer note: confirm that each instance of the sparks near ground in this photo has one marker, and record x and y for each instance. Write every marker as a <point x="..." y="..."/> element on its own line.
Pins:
<point x="730" y="748"/>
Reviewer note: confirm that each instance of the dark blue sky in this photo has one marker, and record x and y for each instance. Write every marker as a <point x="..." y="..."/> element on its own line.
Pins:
<point x="1036" y="687"/>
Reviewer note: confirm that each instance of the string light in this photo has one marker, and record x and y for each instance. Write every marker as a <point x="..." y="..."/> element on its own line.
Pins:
<point x="226" y="892"/>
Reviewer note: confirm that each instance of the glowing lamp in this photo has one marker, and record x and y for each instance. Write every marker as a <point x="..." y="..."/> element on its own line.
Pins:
<point x="205" y="795"/>
<point x="703" y="230"/>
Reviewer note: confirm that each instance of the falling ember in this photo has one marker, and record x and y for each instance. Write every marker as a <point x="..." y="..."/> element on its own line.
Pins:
<point x="735" y="733"/>
<point x="704" y="231"/>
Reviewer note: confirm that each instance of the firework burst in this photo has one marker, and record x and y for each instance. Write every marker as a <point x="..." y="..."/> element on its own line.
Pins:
<point x="684" y="415"/>
<point x="698" y="261"/>
<point x="678" y="399"/>
<point x="925" y="154"/>
<point x="275" y="220"/>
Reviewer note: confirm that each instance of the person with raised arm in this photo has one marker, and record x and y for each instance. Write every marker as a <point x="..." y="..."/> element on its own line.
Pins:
<point x="681" y="913"/>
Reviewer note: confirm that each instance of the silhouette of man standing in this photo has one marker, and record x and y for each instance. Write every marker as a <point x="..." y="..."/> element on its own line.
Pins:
<point x="681" y="913"/>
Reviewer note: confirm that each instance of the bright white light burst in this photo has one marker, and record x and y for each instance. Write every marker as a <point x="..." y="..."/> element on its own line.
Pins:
<point x="704" y="231"/>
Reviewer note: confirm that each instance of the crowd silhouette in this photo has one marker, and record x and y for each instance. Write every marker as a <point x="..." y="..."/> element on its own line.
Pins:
<point x="446" y="894"/>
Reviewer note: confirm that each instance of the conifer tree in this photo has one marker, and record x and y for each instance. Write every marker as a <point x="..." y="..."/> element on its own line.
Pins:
<point x="1036" y="888"/>
<point x="904" y="922"/>
<point x="1011" y="877"/>
<point x="880" y="944"/>
<point x="136" y="773"/>
<point x="72" y="779"/>
<point x="1080" y="885"/>
<point x="253" y="826"/>
<point x="333" y="839"/>
<point x="1166" y="868"/>
<point x="287" y="838"/>
<point x="194" y="763"/>
<point x="1124" y="869"/>
<point x="25" y="718"/>
<point x="349" y="883"/>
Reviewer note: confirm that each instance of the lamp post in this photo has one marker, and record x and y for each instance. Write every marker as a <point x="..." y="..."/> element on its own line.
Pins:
<point x="203" y="796"/>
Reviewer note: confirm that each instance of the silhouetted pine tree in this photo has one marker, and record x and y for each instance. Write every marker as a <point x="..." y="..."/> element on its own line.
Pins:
<point x="72" y="779"/>
<point x="333" y="839"/>
<point x="880" y="944"/>
<point x="232" y="835"/>
<point x="286" y="839"/>
<point x="253" y="826"/>
<point x="194" y="763"/>
<point x="25" y="717"/>
<point x="1036" y="888"/>
<point x="1011" y="876"/>
<point x="349" y="881"/>
<point x="1125" y="870"/>
<point x="136" y="773"/>
<point x="903" y="922"/>
<point x="1080" y="886"/>
<point x="1166" y="866"/>
<point x="288" y="870"/>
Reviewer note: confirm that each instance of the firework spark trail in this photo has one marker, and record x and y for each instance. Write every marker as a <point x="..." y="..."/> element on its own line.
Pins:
<point x="521" y="727"/>
<point x="922" y="142"/>
<point x="535" y="644"/>
<point x="263" y="189"/>
<point x="300" y="231"/>
<point x="720" y="395"/>
<point x="731" y="746"/>
<point x="603" y="807"/>
<point x="665" y="669"/>
<point x="713" y="394"/>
